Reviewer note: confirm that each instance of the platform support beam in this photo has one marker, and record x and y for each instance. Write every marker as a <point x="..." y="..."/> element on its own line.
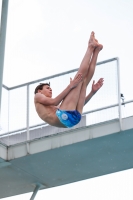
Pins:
<point x="38" y="186"/>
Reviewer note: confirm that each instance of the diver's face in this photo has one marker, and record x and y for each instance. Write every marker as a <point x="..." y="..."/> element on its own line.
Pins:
<point x="47" y="91"/>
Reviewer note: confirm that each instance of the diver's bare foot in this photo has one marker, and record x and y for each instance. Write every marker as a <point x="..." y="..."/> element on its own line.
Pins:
<point x="92" y="41"/>
<point x="99" y="47"/>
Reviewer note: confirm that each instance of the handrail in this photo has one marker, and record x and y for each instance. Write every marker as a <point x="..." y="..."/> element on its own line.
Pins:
<point x="4" y="86"/>
<point x="27" y="128"/>
<point x="55" y="75"/>
<point x="44" y="124"/>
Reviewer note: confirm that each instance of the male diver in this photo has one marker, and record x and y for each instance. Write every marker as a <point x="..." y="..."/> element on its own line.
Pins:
<point x="65" y="110"/>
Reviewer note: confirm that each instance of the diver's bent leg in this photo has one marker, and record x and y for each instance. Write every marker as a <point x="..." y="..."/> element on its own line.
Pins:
<point x="87" y="79"/>
<point x="82" y="96"/>
<point x="93" y="64"/>
<point x="71" y="100"/>
<point x="84" y="66"/>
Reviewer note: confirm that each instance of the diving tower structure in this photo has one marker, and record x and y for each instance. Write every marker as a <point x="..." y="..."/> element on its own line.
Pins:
<point x="36" y="156"/>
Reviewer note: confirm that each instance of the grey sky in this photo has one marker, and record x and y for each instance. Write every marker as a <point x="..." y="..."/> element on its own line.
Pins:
<point x="48" y="37"/>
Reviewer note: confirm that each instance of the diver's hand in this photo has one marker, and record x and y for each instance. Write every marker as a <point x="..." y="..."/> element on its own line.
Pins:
<point x="97" y="86"/>
<point x="78" y="78"/>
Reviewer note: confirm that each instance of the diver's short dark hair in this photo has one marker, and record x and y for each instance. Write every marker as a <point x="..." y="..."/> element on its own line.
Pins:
<point x="40" y="87"/>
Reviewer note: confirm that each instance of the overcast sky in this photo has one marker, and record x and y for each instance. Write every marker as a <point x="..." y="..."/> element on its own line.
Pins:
<point x="46" y="37"/>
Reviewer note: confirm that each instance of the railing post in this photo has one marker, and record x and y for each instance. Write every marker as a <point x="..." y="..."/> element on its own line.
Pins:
<point x="4" y="13"/>
<point x="27" y="119"/>
<point x="119" y="93"/>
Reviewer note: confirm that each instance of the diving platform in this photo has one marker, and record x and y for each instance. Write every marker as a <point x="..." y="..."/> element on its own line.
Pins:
<point x="66" y="157"/>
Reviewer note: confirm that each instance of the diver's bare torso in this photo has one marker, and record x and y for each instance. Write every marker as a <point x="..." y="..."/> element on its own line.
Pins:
<point x="48" y="114"/>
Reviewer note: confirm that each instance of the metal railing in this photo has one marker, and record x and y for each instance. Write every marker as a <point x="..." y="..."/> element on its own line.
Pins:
<point x="28" y="91"/>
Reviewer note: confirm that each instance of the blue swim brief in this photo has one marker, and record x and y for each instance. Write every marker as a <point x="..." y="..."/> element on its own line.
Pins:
<point x="68" y="118"/>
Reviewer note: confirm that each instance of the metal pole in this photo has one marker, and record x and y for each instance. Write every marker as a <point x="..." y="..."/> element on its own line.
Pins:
<point x="27" y="119"/>
<point x="8" y="117"/>
<point x="119" y="93"/>
<point x="4" y="13"/>
<point x="35" y="191"/>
